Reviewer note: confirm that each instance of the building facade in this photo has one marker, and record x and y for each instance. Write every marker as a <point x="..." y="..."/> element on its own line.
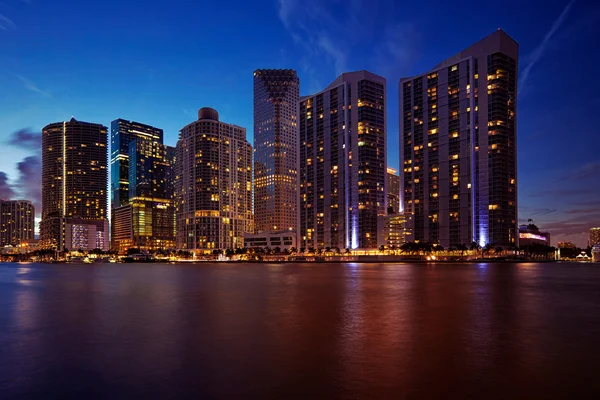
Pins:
<point x="458" y="146"/>
<point x="594" y="237"/>
<point x="284" y="240"/>
<point x="214" y="184"/>
<point x="393" y="191"/>
<point x="393" y="230"/>
<point x="17" y="222"/>
<point x="343" y="162"/>
<point x="530" y="234"/>
<point x="74" y="186"/>
<point x="151" y="193"/>
<point x="276" y="93"/>
<point x="123" y="132"/>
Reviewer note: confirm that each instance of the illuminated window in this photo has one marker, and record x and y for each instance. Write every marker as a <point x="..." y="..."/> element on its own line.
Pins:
<point x="493" y="207"/>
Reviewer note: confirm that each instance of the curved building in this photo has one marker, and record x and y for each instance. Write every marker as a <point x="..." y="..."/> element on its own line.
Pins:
<point x="213" y="184"/>
<point x="458" y="146"/>
<point x="74" y="186"/>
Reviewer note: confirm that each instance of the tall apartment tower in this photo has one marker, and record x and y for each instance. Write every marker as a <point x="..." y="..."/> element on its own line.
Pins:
<point x="458" y="146"/>
<point x="213" y="188"/>
<point x="122" y="133"/>
<point x="16" y="222"/>
<point x="74" y="186"/>
<point x="343" y="162"/>
<point x="276" y="93"/>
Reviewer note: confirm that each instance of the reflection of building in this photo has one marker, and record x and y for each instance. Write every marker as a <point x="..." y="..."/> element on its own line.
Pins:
<point x="74" y="186"/>
<point x="281" y="239"/>
<point x="566" y="245"/>
<point x="596" y="253"/>
<point x="214" y="184"/>
<point x="276" y="146"/>
<point x="530" y="234"/>
<point x="393" y="191"/>
<point x="393" y="229"/>
<point x="16" y="222"/>
<point x="343" y="162"/>
<point x="594" y="236"/>
<point x="458" y="146"/>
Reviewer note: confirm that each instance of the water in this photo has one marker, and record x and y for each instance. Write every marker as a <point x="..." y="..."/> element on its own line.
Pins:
<point x="347" y="331"/>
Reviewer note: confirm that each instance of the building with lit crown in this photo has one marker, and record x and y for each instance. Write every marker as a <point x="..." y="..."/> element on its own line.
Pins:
<point x="213" y="184"/>
<point x="393" y="191"/>
<point x="458" y="147"/>
<point x="74" y="186"/>
<point x="343" y="170"/>
<point x="276" y="93"/>
<point x="530" y="234"/>
<point x="17" y="223"/>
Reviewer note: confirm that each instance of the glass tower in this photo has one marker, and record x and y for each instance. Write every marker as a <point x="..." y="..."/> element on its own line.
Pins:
<point x="276" y="93"/>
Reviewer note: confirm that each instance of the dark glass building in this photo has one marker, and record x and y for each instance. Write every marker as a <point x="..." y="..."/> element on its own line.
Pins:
<point x="276" y="93"/>
<point x="458" y="146"/>
<point x="343" y="162"/>
<point x="122" y="132"/>
<point x="74" y="186"/>
<point x="213" y="184"/>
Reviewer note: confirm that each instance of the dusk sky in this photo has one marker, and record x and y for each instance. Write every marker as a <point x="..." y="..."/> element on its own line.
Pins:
<point x="158" y="62"/>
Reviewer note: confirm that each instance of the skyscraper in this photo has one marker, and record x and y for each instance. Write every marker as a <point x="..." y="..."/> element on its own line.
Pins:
<point x="276" y="93"/>
<point x="214" y="184"/>
<point x="343" y="162"/>
<point x="393" y="191"/>
<point x="16" y="222"/>
<point x="122" y="132"/>
<point x="594" y="237"/>
<point x="74" y="186"/>
<point x="143" y="213"/>
<point x="458" y="146"/>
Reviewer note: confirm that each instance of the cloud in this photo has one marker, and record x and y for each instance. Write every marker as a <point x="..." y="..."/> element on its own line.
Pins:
<point x="561" y="192"/>
<point x="29" y="85"/>
<point x="584" y="172"/>
<point x="539" y="51"/>
<point x="6" y="190"/>
<point x="583" y="210"/>
<point x="30" y="180"/>
<point x="25" y="139"/>
<point x="6" y="23"/>
<point x="397" y="51"/>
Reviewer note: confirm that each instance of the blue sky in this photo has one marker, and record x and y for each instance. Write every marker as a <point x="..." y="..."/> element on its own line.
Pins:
<point x="157" y="62"/>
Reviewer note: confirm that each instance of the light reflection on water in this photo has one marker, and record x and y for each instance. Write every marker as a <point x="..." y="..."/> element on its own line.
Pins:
<point x="307" y="330"/>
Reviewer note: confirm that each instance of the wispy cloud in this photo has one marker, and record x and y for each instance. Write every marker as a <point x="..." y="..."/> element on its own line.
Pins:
<point x="25" y="139"/>
<point x="6" y="23"/>
<point x="539" y="51"/>
<point x="29" y="85"/>
<point x="584" y="172"/>
<point x="397" y="50"/>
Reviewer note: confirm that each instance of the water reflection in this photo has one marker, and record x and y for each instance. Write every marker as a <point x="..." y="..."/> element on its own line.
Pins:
<point x="300" y="330"/>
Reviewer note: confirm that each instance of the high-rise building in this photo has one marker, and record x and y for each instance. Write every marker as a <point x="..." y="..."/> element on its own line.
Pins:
<point x="151" y="196"/>
<point x="122" y="132"/>
<point x="594" y="236"/>
<point x="143" y="213"/>
<point x="214" y="184"/>
<point x="16" y="222"/>
<point x="276" y="93"/>
<point x="458" y="146"/>
<point x="393" y="191"/>
<point x="74" y="186"/>
<point x="343" y="162"/>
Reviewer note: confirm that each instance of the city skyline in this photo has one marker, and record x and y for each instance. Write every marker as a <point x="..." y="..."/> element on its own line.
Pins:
<point x="555" y="185"/>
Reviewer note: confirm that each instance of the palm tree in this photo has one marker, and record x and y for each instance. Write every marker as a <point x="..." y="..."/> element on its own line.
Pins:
<point x="327" y="250"/>
<point x="381" y="248"/>
<point x="486" y="249"/>
<point x="311" y="250"/>
<point x="277" y="250"/>
<point x="293" y="250"/>
<point x="347" y="251"/>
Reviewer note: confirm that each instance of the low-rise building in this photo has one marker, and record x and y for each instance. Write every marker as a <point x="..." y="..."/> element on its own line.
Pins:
<point x="393" y="230"/>
<point x="285" y="239"/>
<point x="530" y="235"/>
